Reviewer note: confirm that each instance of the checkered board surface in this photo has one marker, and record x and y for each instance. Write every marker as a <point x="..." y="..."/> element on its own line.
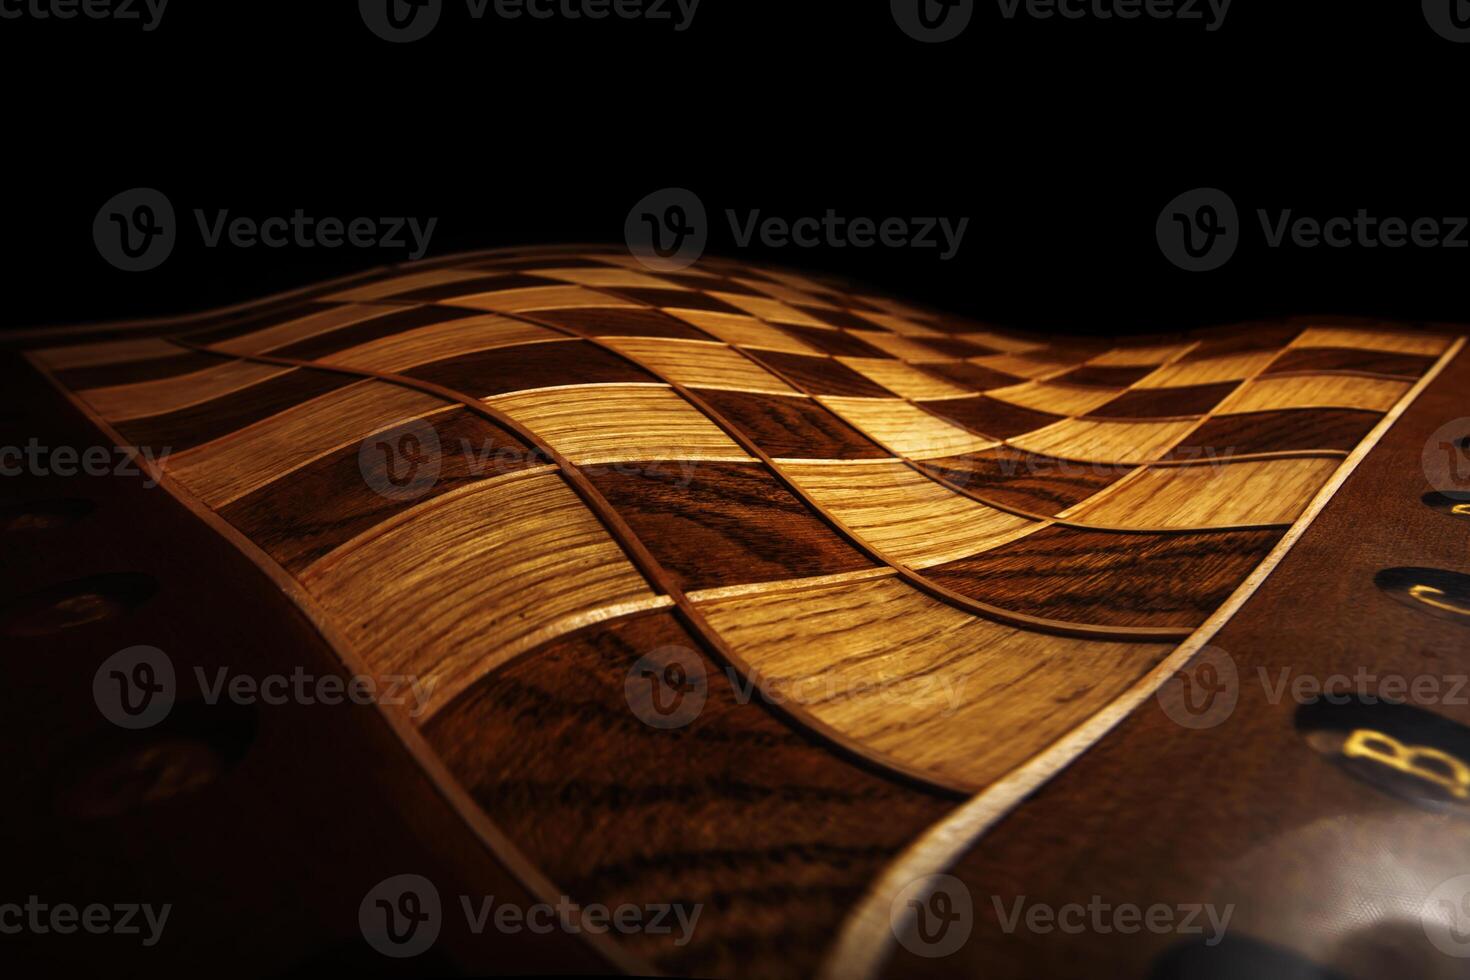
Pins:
<point x="470" y="464"/>
<point x="866" y="432"/>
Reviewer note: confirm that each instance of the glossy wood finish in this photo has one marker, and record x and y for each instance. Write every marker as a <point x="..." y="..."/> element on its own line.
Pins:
<point x="1114" y="579"/>
<point x="901" y="591"/>
<point x="784" y="836"/>
<point x="1241" y="810"/>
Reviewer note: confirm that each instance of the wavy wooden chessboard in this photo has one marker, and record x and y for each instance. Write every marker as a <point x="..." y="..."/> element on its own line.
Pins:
<point x="939" y="548"/>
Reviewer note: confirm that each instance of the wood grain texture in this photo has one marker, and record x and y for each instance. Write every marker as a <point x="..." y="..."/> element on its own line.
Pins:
<point x="699" y="364"/>
<point x="716" y="524"/>
<point x="990" y="417"/>
<point x="971" y="376"/>
<point x="296" y="329"/>
<point x="1291" y="430"/>
<point x="838" y="343"/>
<point x="819" y="375"/>
<point x="394" y="285"/>
<point x="1309" y="359"/>
<point x="448" y="589"/>
<point x="1105" y="442"/>
<point x="118" y="403"/>
<point x="1212" y="370"/>
<point x="522" y="367"/>
<point x="905" y="514"/>
<point x="921" y="681"/>
<point x="746" y="331"/>
<point x="1326" y="868"/>
<point x="1267" y="491"/>
<point x="1034" y="363"/>
<point x="905" y="429"/>
<point x="75" y="356"/>
<point x="615" y="423"/>
<point x="621" y="322"/>
<point x="393" y="322"/>
<point x="1392" y="341"/>
<point x="1035" y="484"/>
<point x="773" y="834"/>
<point x="226" y="469"/>
<point x="943" y="621"/>
<point x="533" y="298"/>
<point x="1147" y="403"/>
<point x="766" y="308"/>
<point x="195" y="425"/>
<point x="1110" y="578"/>
<point x="904" y="380"/>
<point x="1105" y="376"/>
<point x="176" y="361"/>
<point x="1140" y="355"/>
<point x="1315" y="391"/>
<point x="918" y="350"/>
<point x="395" y="353"/>
<point x="1060" y="399"/>
<point x="311" y="511"/>
<point x="792" y="427"/>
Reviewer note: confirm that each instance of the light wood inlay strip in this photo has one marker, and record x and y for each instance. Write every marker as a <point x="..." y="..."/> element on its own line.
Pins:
<point x="866" y="939"/>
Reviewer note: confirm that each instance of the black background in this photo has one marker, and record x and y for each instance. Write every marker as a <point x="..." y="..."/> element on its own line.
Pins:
<point x="1061" y="140"/>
